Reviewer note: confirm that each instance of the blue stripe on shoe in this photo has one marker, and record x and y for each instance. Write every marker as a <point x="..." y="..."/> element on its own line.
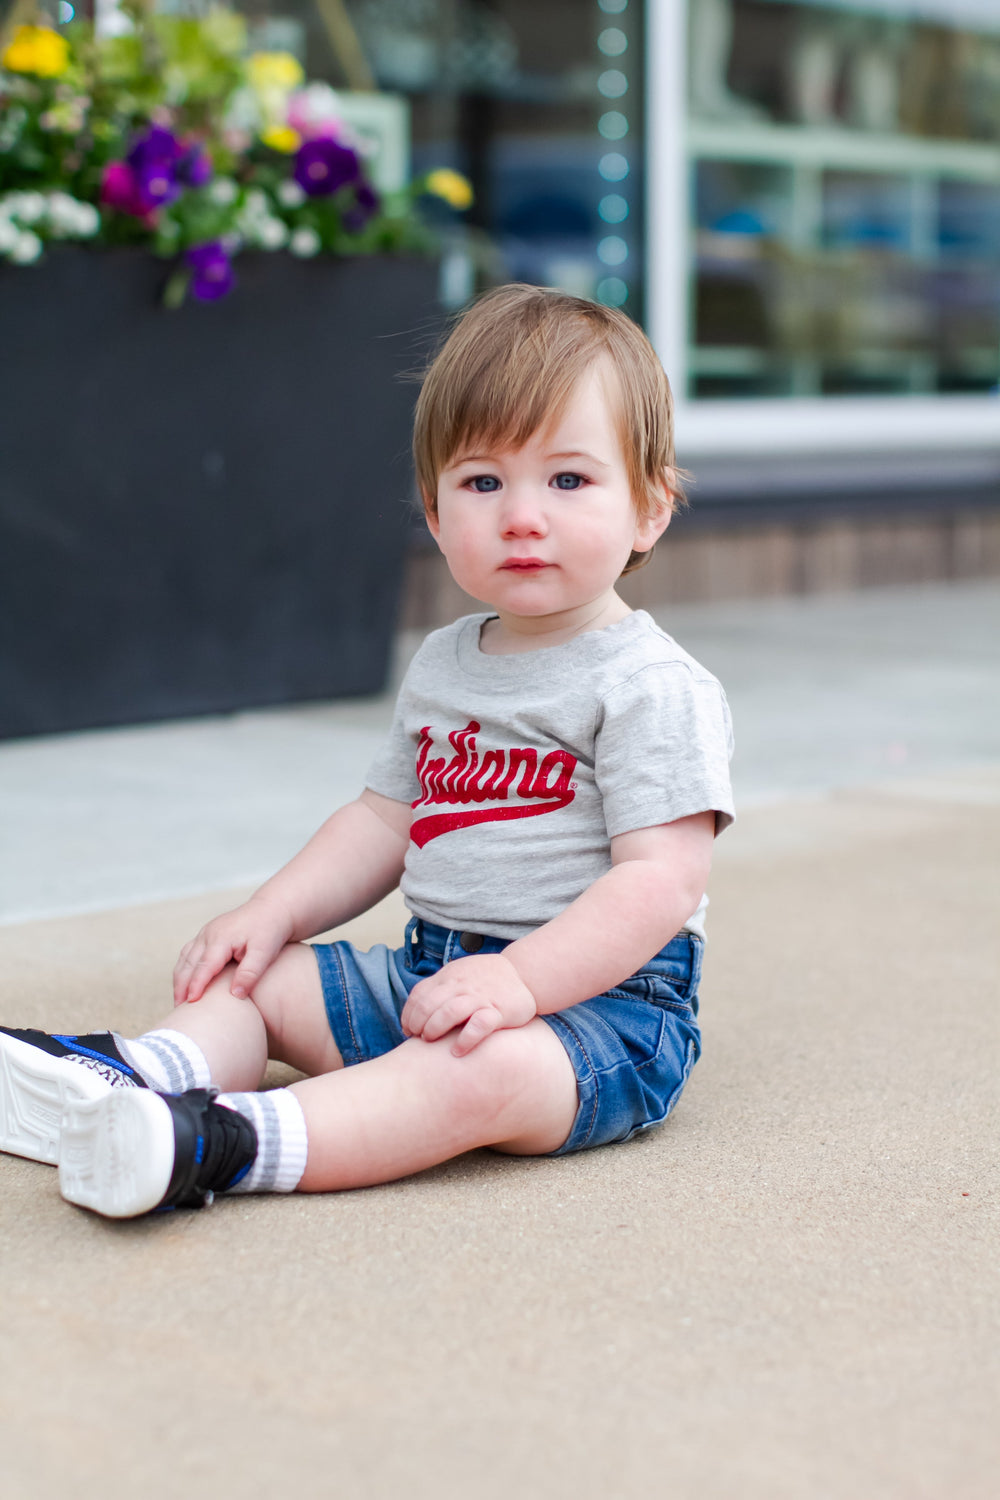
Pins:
<point x="238" y="1178"/>
<point x="72" y="1045"/>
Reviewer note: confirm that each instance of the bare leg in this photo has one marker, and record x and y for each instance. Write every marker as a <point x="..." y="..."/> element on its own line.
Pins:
<point x="419" y="1105"/>
<point x="285" y="1020"/>
<point x="410" y="1109"/>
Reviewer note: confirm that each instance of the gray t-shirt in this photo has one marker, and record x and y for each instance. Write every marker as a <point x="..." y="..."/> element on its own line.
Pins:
<point x="521" y="768"/>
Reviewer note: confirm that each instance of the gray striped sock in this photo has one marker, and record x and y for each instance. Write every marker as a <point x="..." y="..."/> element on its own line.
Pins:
<point x="168" y="1060"/>
<point x="282" y="1146"/>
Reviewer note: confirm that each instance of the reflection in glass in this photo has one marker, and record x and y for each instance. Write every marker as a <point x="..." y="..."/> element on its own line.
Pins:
<point x="845" y="202"/>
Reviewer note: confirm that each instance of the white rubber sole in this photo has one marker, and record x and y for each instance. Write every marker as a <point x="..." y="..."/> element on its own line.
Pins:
<point x="35" y="1090"/>
<point x="117" y="1153"/>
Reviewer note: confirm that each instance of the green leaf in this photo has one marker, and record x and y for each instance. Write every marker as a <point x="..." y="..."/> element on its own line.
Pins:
<point x="175" y="290"/>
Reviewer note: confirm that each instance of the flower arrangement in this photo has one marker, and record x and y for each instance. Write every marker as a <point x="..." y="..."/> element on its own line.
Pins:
<point x="168" y="134"/>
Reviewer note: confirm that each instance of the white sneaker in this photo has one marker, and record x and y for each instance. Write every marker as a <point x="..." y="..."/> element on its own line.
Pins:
<point x="40" y="1075"/>
<point x="131" y="1152"/>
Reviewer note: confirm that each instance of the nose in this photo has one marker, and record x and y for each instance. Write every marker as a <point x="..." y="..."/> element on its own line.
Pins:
<point x="522" y="513"/>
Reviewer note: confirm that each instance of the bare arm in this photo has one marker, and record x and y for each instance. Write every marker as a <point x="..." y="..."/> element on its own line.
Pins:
<point x="348" y="865"/>
<point x="351" y="862"/>
<point x="657" y="878"/>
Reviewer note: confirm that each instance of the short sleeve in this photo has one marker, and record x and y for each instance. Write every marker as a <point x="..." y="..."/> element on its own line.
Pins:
<point x="663" y="748"/>
<point x="393" y="772"/>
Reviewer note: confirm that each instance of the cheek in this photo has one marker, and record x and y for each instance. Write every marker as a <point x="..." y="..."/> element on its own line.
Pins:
<point x="598" y="542"/>
<point x="461" y="542"/>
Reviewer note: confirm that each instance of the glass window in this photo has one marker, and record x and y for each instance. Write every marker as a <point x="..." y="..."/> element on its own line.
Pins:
<point x="537" y="102"/>
<point x="845" y="197"/>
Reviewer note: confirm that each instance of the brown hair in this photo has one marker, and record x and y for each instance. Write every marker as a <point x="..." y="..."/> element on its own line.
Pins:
<point x="509" y="367"/>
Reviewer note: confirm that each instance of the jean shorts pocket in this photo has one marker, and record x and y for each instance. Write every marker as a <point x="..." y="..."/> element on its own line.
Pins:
<point x="639" y="1025"/>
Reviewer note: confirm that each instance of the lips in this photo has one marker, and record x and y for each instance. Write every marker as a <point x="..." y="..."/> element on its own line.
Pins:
<point x="524" y="565"/>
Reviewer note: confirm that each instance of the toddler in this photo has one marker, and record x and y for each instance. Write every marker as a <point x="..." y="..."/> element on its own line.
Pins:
<point x="556" y="772"/>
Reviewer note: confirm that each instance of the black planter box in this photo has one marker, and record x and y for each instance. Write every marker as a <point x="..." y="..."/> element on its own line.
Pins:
<point x="201" y="509"/>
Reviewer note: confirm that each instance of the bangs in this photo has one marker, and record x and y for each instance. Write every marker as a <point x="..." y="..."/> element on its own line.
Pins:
<point x="508" y="370"/>
<point x="507" y="395"/>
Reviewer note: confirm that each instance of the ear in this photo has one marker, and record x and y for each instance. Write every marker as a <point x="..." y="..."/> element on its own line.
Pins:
<point x="649" y="528"/>
<point x="433" y="524"/>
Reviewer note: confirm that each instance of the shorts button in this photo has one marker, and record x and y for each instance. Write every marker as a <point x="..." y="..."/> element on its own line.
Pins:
<point x="471" y="941"/>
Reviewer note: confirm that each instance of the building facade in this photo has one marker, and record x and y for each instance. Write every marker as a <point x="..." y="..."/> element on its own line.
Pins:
<point x="800" y="201"/>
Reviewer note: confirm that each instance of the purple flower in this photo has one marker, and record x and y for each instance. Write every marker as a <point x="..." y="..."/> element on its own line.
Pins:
<point x="213" y="272"/>
<point x="158" y="147"/>
<point x="322" y="166"/>
<point x="152" y="162"/>
<point x="194" y="166"/>
<point x="157" y="185"/>
<point x="365" y="204"/>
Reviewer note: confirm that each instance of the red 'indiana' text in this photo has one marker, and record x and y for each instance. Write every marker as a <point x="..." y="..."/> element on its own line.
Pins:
<point x="510" y="776"/>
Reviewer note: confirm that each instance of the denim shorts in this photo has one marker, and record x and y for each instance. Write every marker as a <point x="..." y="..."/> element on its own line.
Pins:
<point x="631" y="1048"/>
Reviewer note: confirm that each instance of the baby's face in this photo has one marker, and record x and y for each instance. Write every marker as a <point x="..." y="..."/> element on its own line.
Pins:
<point x="544" y="530"/>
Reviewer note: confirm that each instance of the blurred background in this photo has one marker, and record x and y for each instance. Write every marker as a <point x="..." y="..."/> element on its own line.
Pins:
<point x="799" y="201"/>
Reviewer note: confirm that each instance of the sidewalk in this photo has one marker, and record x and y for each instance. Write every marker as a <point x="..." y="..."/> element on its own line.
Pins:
<point x="788" y="1293"/>
<point x="826" y="691"/>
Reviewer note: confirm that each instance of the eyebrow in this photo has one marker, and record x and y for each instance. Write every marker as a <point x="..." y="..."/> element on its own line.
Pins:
<point x="591" y="458"/>
<point x="478" y="458"/>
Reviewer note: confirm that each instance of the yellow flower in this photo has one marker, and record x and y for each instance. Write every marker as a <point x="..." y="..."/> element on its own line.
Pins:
<point x="451" y="186"/>
<point x="38" y="50"/>
<point x="281" y="138"/>
<point x="274" y="70"/>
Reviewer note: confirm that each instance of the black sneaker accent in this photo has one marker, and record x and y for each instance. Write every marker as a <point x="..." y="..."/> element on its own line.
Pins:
<point x="96" y="1050"/>
<point x="213" y="1148"/>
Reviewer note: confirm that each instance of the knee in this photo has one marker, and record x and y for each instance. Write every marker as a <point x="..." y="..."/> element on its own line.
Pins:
<point x="278" y="994"/>
<point x="483" y="1087"/>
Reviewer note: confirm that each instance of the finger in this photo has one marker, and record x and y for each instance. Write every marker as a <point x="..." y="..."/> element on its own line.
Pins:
<point x="418" y="1007"/>
<point x="205" y="970"/>
<point x="254" y="963"/>
<point x="449" y="1014"/>
<point x="183" y="970"/>
<point x="481" y="1024"/>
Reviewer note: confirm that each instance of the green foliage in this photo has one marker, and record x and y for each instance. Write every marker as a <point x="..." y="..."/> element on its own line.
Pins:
<point x="76" y="110"/>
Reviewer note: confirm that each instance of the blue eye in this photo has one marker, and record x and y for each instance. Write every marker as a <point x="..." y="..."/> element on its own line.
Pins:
<point x="569" y="481"/>
<point x="484" y="484"/>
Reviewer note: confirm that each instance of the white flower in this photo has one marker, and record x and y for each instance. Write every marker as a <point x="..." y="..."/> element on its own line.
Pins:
<point x="223" y="191"/>
<point x="27" y="207"/>
<point x="67" y="217"/>
<point x="256" y="205"/>
<point x="9" y="235"/>
<point x="304" y="242"/>
<point x="88" y="220"/>
<point x="26" y="248"/>
<point x="61" y="214"/>
<point x="290" y="195"/>
<point x="272" y="234"/>
<point x="316" y="104"/>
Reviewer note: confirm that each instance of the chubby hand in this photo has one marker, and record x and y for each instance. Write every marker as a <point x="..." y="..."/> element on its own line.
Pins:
<point x="253" y="935"/>
<point x="484" y="991"/>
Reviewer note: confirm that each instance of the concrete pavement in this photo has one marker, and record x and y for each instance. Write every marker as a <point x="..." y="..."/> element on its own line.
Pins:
<point x="789" y="1292"/>
<point x="827" y="691"/>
